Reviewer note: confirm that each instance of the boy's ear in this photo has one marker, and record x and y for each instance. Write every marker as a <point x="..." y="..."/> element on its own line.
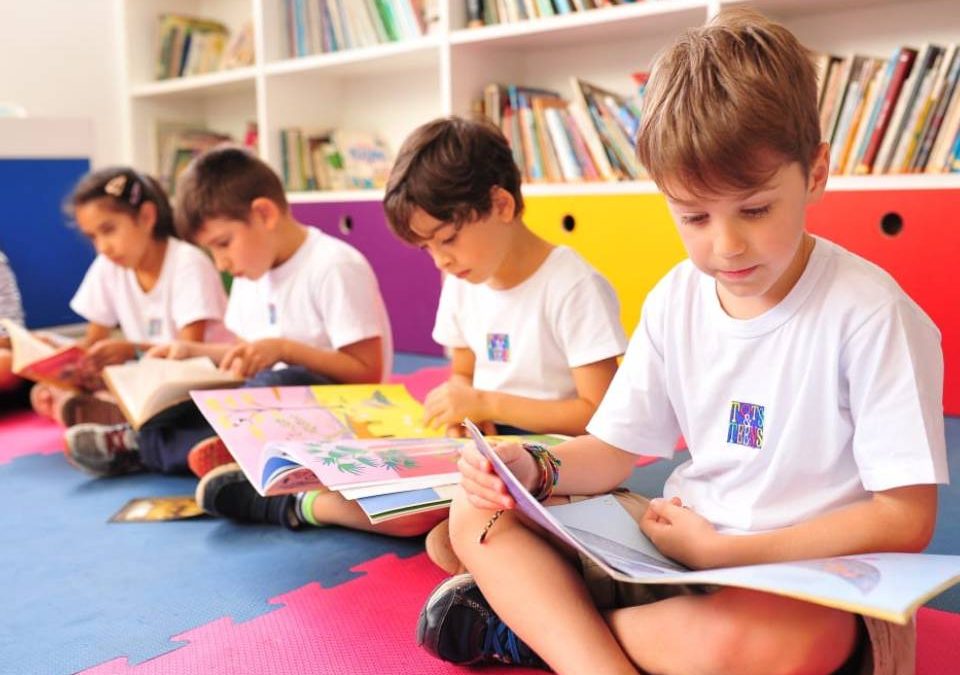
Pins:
<point x="265" y="211"/>
<point x="819" y="171"/>
<point x="504" y="206"/>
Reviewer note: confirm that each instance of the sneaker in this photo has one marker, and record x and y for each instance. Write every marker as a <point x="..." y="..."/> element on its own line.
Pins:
<point x="458" y="625"/>
<point x="440" y="550"/>
<point x="207" y="455"/>
<point x="225" y="492"/>
<point x="103" y="450"/>
<point x="87" y="408"/>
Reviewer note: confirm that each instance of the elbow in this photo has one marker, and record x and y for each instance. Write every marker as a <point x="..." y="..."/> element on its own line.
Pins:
<point x="919" y="534"/>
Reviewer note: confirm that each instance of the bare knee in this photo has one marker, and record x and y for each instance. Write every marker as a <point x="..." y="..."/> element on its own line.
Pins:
<point x="747" y="633"/>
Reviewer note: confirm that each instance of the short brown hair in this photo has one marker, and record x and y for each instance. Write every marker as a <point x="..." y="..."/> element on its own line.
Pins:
<point x="724" y="97"/>
<point x="448" y="168"/>
<point x="222" y="183"/>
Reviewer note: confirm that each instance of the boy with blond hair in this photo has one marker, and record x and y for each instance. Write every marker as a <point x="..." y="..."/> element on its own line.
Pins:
<point x="807" y="385"/>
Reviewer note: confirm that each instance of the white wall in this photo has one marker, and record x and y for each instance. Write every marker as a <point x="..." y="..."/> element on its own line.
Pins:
<point x="58" y="59"/>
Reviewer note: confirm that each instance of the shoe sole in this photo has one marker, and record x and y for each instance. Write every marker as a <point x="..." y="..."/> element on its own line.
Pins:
<point x="85" y="408"/>
<point x="207" y="484"/>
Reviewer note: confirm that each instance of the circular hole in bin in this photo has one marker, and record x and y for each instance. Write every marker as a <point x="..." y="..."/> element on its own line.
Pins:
<point x="568" y="223"/>
<point x="891" y="223"/>
<point x="346" y="225"/>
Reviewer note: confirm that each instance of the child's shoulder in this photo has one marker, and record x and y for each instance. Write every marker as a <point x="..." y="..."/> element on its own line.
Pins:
<point x="321" y="253"/>
<point x="566" y="267"/>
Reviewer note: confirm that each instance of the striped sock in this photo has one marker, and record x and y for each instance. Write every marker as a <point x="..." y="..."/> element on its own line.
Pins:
<point x="304" y="508"/>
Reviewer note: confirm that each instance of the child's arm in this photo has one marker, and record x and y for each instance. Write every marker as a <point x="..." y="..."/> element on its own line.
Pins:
<point x="899" y="519"/>
<point x="457" y="399"/>
<point x="587" y="466"/>
<point x="357" y="363"/>
<point x="182" y="349"/>
<point x="105" y="351"/>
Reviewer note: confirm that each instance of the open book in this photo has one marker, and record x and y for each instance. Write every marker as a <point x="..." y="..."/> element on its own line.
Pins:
<point x="147" y="387"/>
<point x="264" y="427"/>
<point x="888" y="586"/>
<point x="40" y="361"/>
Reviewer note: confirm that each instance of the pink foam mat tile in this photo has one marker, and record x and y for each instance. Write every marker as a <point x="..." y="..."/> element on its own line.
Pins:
<point x="362" y="627"/>
<point x="938" y="642"/>
<point x="26" y="433"/>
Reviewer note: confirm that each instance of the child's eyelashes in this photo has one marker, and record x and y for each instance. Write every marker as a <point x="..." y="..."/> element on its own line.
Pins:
<point x="693" y="218"/>
<point x="757" y="212"/>
<point x="752" y="213"/>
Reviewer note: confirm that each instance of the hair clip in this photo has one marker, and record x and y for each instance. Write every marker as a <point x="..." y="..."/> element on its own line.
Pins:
<point x="115" y="185"/>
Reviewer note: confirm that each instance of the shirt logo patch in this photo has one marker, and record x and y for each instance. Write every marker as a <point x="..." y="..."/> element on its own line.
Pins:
<point x="272" y="314"/>
<point x="746" y="424"/>
<point x="498" y="347"/>
<point x="153" y="327"/>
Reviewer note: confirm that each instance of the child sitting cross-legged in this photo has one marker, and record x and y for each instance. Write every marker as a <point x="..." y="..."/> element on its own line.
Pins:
<point x="533" y="330"/>
<point x="807" y="384"/>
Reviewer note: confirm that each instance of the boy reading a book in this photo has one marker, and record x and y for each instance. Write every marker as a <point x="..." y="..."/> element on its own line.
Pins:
<point x="533" y="330"/>
<point x="806" y="383"/>
<point x="306" y="307"/>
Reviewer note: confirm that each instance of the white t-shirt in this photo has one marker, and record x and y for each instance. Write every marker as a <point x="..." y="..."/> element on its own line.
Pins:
<point x="527" y="338"/>
<point x="834" y="393"/>
<point x="189" y="289"/>
<point x="325" y="296"/>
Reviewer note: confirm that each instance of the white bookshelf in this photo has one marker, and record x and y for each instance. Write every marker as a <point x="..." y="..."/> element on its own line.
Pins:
<point x="393" y="88"/>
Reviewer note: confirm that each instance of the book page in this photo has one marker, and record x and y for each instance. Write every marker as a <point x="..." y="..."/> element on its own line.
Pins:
<point x="888" y="586"/>
<point x="145" y="387"/>
<point x="39" y="361"/>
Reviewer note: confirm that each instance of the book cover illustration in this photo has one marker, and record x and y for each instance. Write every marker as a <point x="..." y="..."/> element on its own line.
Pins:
<point x="153" y="509"/>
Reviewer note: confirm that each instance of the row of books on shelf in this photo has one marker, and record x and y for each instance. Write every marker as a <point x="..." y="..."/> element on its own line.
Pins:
<point x="188" y="45"/>
<point x="590" y="138"/>
<point x="178" y="143"/>
<point x="333" y="159"/>
<point x="490" y="12"/>
<point x="899" y="115"/>
<point x="368" y="444"/>
<point x="317" y="26"/>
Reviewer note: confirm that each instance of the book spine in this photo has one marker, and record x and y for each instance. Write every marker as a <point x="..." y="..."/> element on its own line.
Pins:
<point x="941" y="101"/>
<point x="904" y="62"/>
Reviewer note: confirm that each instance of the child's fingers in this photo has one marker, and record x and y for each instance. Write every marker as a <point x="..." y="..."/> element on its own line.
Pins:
<point x="158" y="352"/>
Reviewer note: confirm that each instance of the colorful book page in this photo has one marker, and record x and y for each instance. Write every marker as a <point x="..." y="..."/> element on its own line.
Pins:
<point x="375" y="410"/>
<point x="369" y="462"/>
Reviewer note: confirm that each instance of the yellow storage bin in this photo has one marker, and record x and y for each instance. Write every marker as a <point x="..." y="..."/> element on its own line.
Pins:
<point x="630" y="239"/>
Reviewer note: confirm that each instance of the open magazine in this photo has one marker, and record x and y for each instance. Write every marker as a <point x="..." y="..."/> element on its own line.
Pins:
<point x="147" y="387"/>
<point x="41" y="361"/>
<point x="888" y="586"/>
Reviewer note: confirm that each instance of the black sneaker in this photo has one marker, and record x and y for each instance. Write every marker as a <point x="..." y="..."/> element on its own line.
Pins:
<point x="225" y="492"/>
<point x="458" y="625"/>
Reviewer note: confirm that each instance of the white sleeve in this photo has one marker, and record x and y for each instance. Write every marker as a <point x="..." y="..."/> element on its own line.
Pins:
<point x="198" y="293"/>
<point x="446" y="328"/>
<point x="893" y="364"/>
<point x="636" y="415"/>
<point x="587" y="324"/>
<point x="350" y="303"/>
<point x="93" y="300"/>
<point x="11" y="306"/>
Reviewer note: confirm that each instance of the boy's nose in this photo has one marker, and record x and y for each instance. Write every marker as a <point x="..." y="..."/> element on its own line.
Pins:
<point x="728" y="240"/>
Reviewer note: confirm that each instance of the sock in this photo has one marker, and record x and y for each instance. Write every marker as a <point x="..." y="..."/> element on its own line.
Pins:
<point x="304" y="508"/>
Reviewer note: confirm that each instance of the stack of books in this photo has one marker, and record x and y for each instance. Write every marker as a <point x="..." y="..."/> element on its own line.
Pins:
<point x="590" y="138"/>
<point x="338" y="159"/>
<point x="901" y="115"/>
<point x="317" y="26"/>
<point x="490" y="12"/>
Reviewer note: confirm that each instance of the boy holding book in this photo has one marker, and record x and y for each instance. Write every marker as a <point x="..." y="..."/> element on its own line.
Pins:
<point x="306" y="307"/>
<point x="807" y="385"/>
<point x="533" y="330"/>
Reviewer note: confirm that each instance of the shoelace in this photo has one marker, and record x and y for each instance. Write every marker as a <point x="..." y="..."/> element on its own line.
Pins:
<point x="500" y="642"/>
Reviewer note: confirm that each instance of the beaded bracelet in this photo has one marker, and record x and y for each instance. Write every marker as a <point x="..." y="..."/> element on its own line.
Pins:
<point x="549" y="465"/>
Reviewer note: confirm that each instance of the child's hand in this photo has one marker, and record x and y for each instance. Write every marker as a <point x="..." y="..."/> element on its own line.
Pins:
<point x="680" y="533"/>
<point x="176" y="350"/>
<point x="110" y="351"/>
<point x="483" y="487"/>
<point x="248" y="358"/>
<point x="451" y="403"/>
